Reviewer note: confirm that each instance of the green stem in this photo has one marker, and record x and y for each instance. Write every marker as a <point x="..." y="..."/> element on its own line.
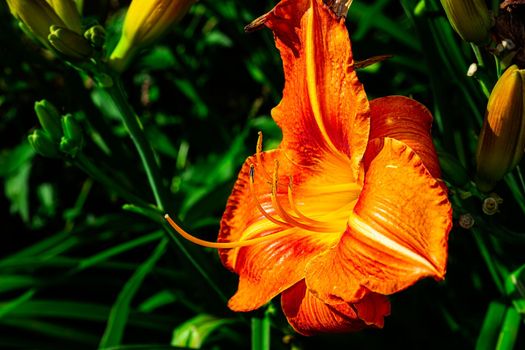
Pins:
<point x="261" y="332"/>
<point x="481" y="64"/>
<point x="491" y="264"/>
<point x="134" y="127"/>
<point x="86" y="165"/>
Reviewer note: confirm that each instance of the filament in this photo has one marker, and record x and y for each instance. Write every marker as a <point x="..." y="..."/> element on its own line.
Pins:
<point x="225" y="245"/>
<point x="282" y="212"/>
<point x="259" y="206"/>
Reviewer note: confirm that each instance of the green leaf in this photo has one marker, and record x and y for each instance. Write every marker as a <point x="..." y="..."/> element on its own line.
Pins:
<point x="159" y="58"/>
<point x="509" y="330"/>
<point x="14" y="159"/>
<point x="17" y="190"/>
<point x="119" y="249"/>
<point x="194" y="332"/>
<point x="103" y="101"/>
<point x="13" y="282"/>
<point x="160" y="299"/>
<point x="491" y="326"/>
<point x="120" y="310"/>
<point x="59" y="331"/>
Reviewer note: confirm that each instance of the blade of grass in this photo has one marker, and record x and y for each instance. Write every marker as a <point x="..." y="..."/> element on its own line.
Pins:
<point x="119" y="249"/>
<point x="58" y="331"/>
<point x="509" y="330"/>
<point x="120" y="310"/>
<point x="491" y="325"/>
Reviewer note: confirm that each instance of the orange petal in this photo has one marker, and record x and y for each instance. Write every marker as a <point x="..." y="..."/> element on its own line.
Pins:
<point x="324" y="107"/>
<point x="397" y="234"/>
<point x="308" y="315"/>
<point x="406" y="120"/>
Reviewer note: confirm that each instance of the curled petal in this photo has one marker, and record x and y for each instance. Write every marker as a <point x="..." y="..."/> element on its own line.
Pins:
<point x="406" y="120"/>
<point x="396" y="235"/>
<point x="324" y="107"/>
<point x="309" y="315"/>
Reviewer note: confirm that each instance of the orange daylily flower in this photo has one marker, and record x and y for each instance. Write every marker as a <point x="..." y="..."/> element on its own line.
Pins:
<point x="349" y="208"/>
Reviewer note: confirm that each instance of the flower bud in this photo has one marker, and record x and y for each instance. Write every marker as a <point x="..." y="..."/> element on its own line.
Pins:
<point x="36" y="15"/>
<point x="68" y="13"/>
<point x="146" y="21"/>
<point x="501" y="142"/>
<point x="49" y="119"/>
<point x="96" y="35"/>
<point x="69" y="43"/>
<point x="73" y="139"/>
<point x="43" y="145"/>
<point x="469" y="18"/>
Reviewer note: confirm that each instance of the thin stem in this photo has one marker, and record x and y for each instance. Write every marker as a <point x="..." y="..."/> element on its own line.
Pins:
<point x="86" y="165"/>
<point x="134" y="127"/>
<point x="489" y="261"/>
<point x="481" y="64"/>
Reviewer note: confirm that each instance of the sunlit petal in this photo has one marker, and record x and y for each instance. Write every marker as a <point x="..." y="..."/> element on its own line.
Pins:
<point x="396" y="235"/>
<point x="324" y="107"/>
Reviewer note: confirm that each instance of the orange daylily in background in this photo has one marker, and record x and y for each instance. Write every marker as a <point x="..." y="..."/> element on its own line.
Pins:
<point x="349" y="208"/>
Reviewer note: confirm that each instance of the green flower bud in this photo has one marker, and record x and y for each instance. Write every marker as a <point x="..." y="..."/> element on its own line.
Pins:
<point x="96" y="35"/>
<point x="501" y="142"/>
<point x="43" y="145"/>
<point x="49" y="119"/>
<point x="73" y="139"/>
<point x="69" y="43"/>
<point x="469" y="18"/>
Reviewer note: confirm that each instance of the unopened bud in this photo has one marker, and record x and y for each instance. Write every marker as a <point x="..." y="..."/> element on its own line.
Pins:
<point x="36" y="15"/>
<point x="146" y="21"/>
<point x="469" y="18"/>
<point x="96" y="35"/>
<point x="501" y="142"/>
<point x="68" y="13"/>
<point x="73" y="139"/>
<point x="69" y="43"/>
<point x="43" y="145"/>
<point x="49" y="119"/>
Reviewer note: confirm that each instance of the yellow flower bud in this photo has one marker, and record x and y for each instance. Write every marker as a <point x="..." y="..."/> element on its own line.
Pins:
<point x="469" y="18"/>
<point x="36" y="15"/>
<point x="39" y="15"/>
<point x="501" y="142"/>
<point x="68" y="13"/>
<point x="146" y="21"/>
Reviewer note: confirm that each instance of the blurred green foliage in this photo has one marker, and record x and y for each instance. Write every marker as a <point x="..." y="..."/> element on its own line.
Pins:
<point x="79" y="272"/>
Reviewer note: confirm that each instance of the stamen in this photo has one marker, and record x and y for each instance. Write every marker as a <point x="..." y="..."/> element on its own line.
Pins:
<point x="259" y="206"/>
<point x="315" y="227"/>
<point x="258" y="152"/>
<point x="226" y="245"/>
